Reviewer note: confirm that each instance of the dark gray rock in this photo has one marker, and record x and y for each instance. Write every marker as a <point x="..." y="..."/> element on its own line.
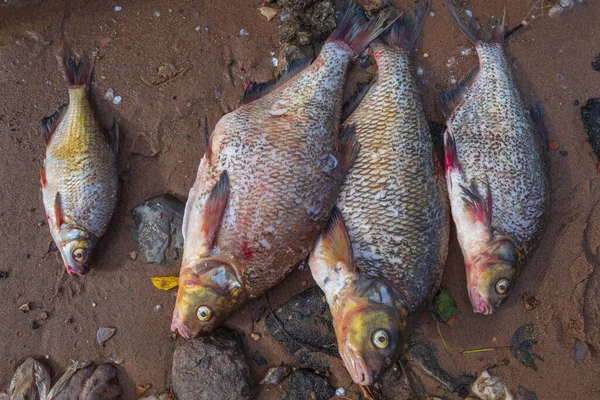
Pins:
<point x="212" y="367"/>
<point x="524" y="394"/>
<point x="590" y="116"/>
<point x="157" y="227"/>
<point x="275" y="375"/>
<point x="425" y="356"/>
<point x="92" y="383"/>
<point x="304" y="325"/>
<point x="581" y="350"/>
<point x="305" y="384"/>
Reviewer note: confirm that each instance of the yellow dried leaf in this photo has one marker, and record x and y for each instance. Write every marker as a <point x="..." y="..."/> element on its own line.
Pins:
<point x="165" y="282"/>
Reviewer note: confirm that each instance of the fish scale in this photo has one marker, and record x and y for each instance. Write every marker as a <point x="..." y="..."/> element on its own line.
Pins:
<point x="397" y="236"/>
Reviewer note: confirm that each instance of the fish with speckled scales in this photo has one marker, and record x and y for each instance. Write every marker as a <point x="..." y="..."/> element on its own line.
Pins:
<point x="267" y="183"/>
<point x="79" y="177"/>
<point x="496" y="168"/>
<point x="383" y="253"/>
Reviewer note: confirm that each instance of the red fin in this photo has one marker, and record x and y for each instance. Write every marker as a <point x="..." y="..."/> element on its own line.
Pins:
<point x="43" y="178"/>
<point x="355" y="31"/>
<point x="451" y="159"/>
<point x="349" y="148"/>
<point x="478" y="205"/>
<point x="405" y="31"/>
<point x="207" y="143"/>
<point x="336" y="243"/>
<point x="49" y="124"/>
<point x="58" y="212"/>
<point x="78" y="73"/>
<point x="114" y="135"/>
<point x="214" y="210"/>
<point x="537" y="115"/>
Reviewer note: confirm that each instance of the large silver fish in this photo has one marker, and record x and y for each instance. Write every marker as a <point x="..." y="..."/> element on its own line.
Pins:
<point x="497" y="170"/>
<point x="267" y="185"/>
<point x="379" y="267"/>
<point x="80" y="176"/>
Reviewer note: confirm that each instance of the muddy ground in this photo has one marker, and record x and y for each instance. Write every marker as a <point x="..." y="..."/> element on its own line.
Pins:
<point x="175" y="62"/>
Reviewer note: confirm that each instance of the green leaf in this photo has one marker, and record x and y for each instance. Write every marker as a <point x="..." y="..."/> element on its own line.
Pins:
<point x="444" y="306"/>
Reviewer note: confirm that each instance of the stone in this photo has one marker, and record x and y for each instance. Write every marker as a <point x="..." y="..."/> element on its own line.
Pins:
<point x="581" y="350"/>
<point x="275" y="375"/>
<point x="212" y="367"/>
<point x="307" y="333"/>
<point x="590" y="116"/>
<point x="158" y="228"/>
<point x="305" y="384"/>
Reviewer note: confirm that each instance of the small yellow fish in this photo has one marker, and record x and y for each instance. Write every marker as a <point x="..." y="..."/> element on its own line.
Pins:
<point x="79" y="177"/>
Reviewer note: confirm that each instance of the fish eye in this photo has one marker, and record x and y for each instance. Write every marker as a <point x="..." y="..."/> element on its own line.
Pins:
<point x="380" y="339"/>
<point x="79" y="254"/>
<point x="502" y="286"/>
<point x="204" y="313"/>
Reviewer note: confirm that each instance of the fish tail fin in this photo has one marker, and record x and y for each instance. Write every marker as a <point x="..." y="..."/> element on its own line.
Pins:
<point x="78" y="71"/>
<point x="356" y="31"/>
<point x="405" y="31"/>
<point x="490" y="32"/>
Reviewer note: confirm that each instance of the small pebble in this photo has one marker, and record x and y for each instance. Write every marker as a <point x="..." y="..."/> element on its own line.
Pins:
<point x="563" y="153"/>
<point x="206" y="29"/>
<point x="133" y="255"/>
<point x="43" y="315"/>
<point x="243" y="32"/>
<point x="198" y="29"/>
<point x="41" y="223"/>
<point x="104" y="334"/>
<point x="110" y="94"/>
<point x="157" y="307"/>
<point x="93" y="304"/>
<point x="453" y="81"/>
<point x="117" y="100"/>
<point x="283" y="16"/>
<point x="274" y="61"/>
<point x="25" y="307"/>
<point x="425" y="55"/>
<point x="118" y="8"/>
<point x="340" y="392"/>
<point x="581" y="350"/>
<point x="450" y="61"/>
<point x="553" y="145"/>
<point x="218" y="94"/>
<point x="465" y="51"/>
<point x="469" y="13"/>
<point x="304" y="283"/>
<point x="432" y="14"/>
<point x="156" y="14"/>
<point x="47" y="356"/>
<point x="255" y="336"/>
<point x="34" y="324"/>
<point x="420" y="71"/>
<point x="575" y="103"/>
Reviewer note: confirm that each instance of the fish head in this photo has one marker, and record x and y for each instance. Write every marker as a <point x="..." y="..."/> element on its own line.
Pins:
<point x="209" y="291"/>
<point x="75" y="246"/>
<point x="371" y="330"/>
<point x="492" y="275"/>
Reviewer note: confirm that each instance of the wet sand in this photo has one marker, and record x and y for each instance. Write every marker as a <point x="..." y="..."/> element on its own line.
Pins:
<point x="139" y="56"/>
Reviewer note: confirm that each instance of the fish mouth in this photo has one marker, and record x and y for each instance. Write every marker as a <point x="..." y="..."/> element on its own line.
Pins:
<point x="178" y="326"/>
<point x="357" y="367"/>
<point x="72" y="271"/>
<point x="479" y="303"/>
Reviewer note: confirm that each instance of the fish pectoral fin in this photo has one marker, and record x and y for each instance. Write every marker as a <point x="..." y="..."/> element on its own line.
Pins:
<point x="451" y="161"/>
<point x="114" y="135"/>
<point x="478" y="205"/>
<point x="335" y="243"/>
<point x="349" y="148"/>
<point x="52" y="247"/>
<point x="49" y="124"/>
<point x="453" y="97"/>
<point x="537" y="115"/>
<point x="58" y="211"/>
<point x="43" y="179"/>
<point x="255" y="91"/>
<point x="214" y="211"/>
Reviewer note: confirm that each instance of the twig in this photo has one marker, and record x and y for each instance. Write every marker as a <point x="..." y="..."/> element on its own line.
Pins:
<point x="484" y="350"/>
<point x="441" y="337"/>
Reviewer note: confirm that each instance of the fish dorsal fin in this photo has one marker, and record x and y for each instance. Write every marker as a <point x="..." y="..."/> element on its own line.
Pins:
<point x="214" y="210"/>
<point x="357" y="97"/>
<point x="207" y="144"/>
<point x="255" y="91"/>
<point x="451" y="98"/>
<point x="59" y="217"/>
<point x="49" y="124"/>
<point x="114" y="135"/>
<point x="335" y="243"/>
